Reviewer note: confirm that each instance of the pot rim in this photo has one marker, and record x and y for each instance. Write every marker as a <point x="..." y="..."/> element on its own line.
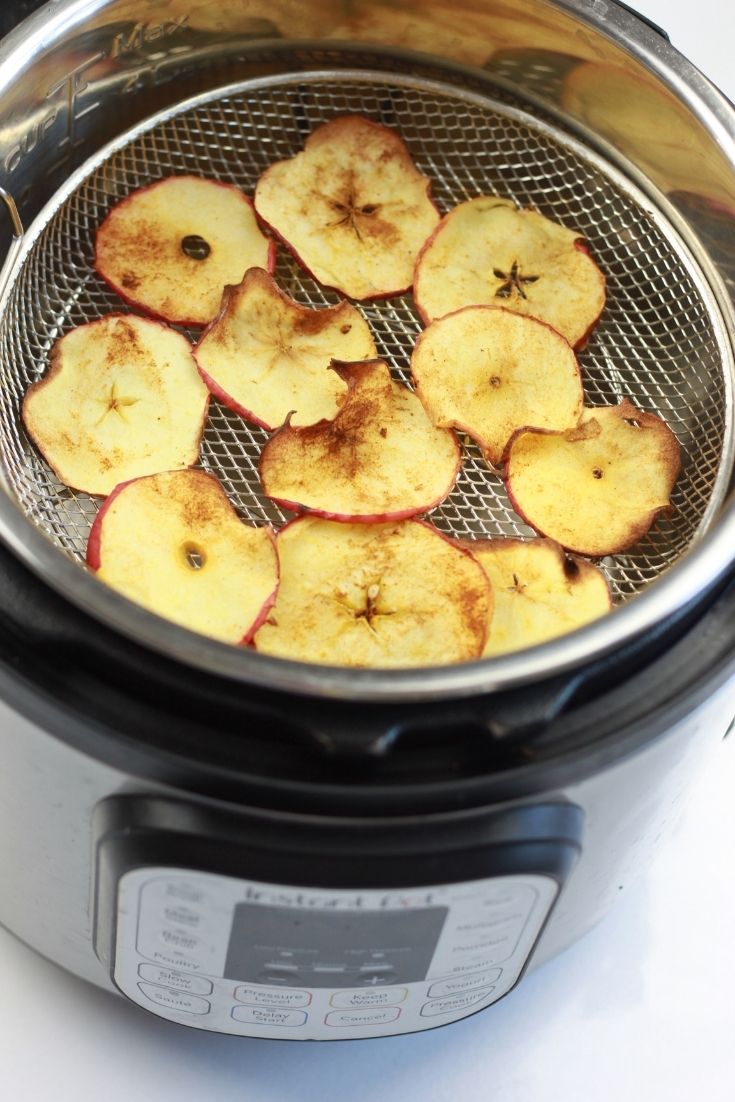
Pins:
<point x="694" y="573"/>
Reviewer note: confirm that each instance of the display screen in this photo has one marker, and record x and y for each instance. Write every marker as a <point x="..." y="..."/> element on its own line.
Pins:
<point x="293" y="946"/>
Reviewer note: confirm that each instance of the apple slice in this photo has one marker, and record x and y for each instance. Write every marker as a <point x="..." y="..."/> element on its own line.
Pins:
<point x="596" y="488"/>
<point x="170" y="248"/>
<point x="173" y="543"/>
<point x="488" y="252"/>
<point x="352" y="207"/>
<point x="265" y="356"/>
<point x="122" y="398"/>
<point x="489" y="372"/>
<point x="538" y="591"/>
<point x="380" y="458"/>
<point x="377" y="595"/>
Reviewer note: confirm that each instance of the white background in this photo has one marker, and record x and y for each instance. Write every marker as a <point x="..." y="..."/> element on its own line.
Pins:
<point x="642" y="1009"/>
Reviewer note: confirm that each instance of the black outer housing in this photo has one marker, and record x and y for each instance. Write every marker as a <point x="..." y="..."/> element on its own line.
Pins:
<point x="146" y="715"/>
<point x="150" y="717"/>
<point x="309" y="852"/>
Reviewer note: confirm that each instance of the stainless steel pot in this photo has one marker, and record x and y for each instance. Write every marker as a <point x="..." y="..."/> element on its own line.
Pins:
<point x="596" y="70"/>
<point x="137" y="754"/>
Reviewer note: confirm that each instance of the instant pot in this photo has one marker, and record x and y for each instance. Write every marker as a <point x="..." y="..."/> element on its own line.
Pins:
<point x="266" y="848"/>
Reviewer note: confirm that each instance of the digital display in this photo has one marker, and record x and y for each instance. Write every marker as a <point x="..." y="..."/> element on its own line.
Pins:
<point x="293" y="946"/>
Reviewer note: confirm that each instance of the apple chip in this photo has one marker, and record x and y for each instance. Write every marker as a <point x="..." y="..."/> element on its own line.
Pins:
<point x="539" y="592"/>
<point x="380" y="458"/>
<point x="596" y="488"/>
<point x="171" y="247"/>
<point x="122" y="398"/>
<point x="352" y="207"/>
<point x="489" y="372"/>
<point x="173" y="543"/>
<point x="377" y="595"/>
<point x="487" y="252"/>
<point x="265" y="356"/>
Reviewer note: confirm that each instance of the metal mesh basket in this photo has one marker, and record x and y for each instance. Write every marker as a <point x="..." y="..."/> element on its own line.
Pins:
<point x="660" y="341"/>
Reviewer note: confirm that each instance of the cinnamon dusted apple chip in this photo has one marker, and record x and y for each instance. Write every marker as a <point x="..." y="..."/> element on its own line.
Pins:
<point x="171" y="247"/>
<point x="265" y="356"/>
<point x="489" y="372"/>
<point x="539" y="592"/>
<point x="380" y="458"/>
<point x="377" y="595"/>
<point x="352" y="207"/>
<point x="488" y="252"/>
<point x="122" y="398"/>
<point x="173" y="543"/>
<point x="597" y="488"/>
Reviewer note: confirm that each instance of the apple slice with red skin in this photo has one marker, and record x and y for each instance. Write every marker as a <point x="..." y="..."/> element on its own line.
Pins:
<point x="171" y="247"/>
<point x="173" y="543"/>
<point x="375" y="595"/>
<point x="380" y="458"/>
<point x="266" y="356"/>
<point x="488" y="372"/>
<point x="488" y="252"/>
<point x="352" y="207"/>
<point x="539" y="592"/>
<point x="122" y="398"/>
<point x="598" y="487"/>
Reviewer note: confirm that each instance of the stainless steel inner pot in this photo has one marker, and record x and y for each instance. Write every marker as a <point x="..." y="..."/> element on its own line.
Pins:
<point x="507" y="129"/>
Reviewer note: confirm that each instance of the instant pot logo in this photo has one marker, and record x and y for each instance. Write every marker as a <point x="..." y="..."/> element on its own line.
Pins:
<point x="323" y="901"/>
<point x="142" y="33"/>
<point x="72" y="95"/>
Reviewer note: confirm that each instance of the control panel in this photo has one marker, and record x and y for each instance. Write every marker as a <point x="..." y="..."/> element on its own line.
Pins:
<point x="263" y="960"/>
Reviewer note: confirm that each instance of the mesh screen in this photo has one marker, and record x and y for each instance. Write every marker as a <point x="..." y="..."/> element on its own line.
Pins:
<point x="656" y="342"/>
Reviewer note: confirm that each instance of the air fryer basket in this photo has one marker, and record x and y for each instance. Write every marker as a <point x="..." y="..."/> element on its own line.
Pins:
<point x="662" y="340"/>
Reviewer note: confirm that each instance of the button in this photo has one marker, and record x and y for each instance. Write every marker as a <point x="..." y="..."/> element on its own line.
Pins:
<point x="279" y="973"/>
<point x="463" y="983"/>
<point x="181" y="939"/>
<point x="491" y="922"/>
<point x="178" y="960"/>
<point x="357" y="1018"/>
<point x="175" y="1000"/>
<point x="487" y="944"/>
<point x="454" y="1003"/>
<point x="384" y="996"/>
<point x="509" y="897"/>
<point x="166" y="977"/>
<point x="372" y="974"/>
<point x="486" y="953"/>
<point x="185" y="892"/>
<point x="263" y="1015"/>
<point x="473" y="965"/>
<point x="263" y="996"/>
<point x="181" y="915"/>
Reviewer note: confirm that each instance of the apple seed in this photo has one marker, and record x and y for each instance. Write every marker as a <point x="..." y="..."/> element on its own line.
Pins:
<point x="195" y="246"/>
<point x="115" y="404"/>
<point x="195" y="556"/>
<point x="512" y="281"/>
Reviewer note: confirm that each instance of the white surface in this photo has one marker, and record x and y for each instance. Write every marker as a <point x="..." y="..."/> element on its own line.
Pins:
<point x="642" y="1009"/>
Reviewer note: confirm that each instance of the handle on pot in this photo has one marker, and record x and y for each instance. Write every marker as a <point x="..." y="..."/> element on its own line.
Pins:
<point x="644" y="19"/>
<point x="15" y="244"/>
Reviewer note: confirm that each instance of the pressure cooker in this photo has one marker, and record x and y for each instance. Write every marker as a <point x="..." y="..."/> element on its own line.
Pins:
<point x="259" y="847"/>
